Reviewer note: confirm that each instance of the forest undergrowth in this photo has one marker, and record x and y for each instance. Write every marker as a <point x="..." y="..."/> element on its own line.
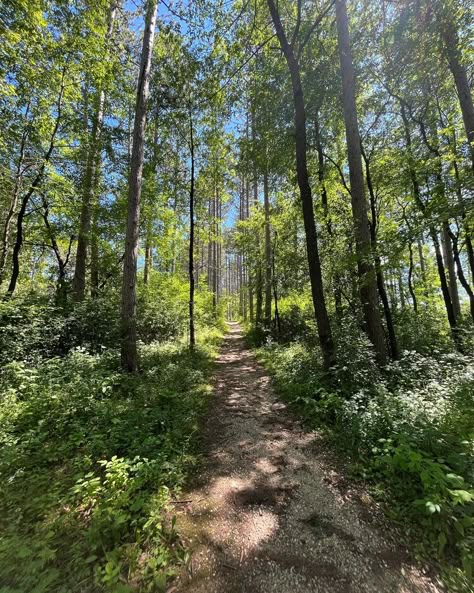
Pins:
<point x="405" y="429"/>
<point x="92" y="457"/>
<point x="304" y="167"/>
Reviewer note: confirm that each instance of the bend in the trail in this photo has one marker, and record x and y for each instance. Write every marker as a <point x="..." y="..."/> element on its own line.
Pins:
<point x="264" y="517"/>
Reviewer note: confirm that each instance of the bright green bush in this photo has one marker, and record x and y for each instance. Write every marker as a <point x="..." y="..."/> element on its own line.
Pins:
<point x="33" y="329"/>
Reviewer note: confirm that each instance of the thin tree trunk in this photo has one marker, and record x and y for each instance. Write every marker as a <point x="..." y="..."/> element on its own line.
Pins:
<point x="258" y="267"/>
<point x="421" y="257"/>
<point x="209" y="246"/>
<point x="451" y="43"/>
<point x="219" y="248"/>
<point x="433" y="234"/>
<point x="249" y="271"/>
<point x="129" y="355"/>
<point x="324" y="201"/>
<point x="5" y="241"/>
<point x="92" y="163"/>
<point x="461" y="276"/>
<point x="465" y="223"/>
<point x="433" y="148"/>
<point x="401" y="292"/>
<point x="410" y="280"/>
<point x="268" y="252"/>
<point x="367" y="276"/>
<point x="275" y="286"/>
<point x="449" y="261"/>
<point x="444" y="284"/>
<point x="192" y="339"/>
<point x="26" y="198"/>
<point x="315" y="273"/>
<point x="94" y="278"/>
<point x="148" y="256"/>
<point x="392" y="338"/>
<point x="61" y="293"/>
<point x="214" y="254"/>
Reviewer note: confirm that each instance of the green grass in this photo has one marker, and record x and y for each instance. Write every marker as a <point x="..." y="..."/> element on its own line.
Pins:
<point x="90" y="458"/>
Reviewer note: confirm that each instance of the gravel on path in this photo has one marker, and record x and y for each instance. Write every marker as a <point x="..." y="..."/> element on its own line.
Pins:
<point x="265" y="516"/>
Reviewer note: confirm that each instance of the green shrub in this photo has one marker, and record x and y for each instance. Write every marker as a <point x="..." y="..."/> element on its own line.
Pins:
<point x="89" y="459"/>
<point x="408" y="430"/>
<point x="33" y="329"/>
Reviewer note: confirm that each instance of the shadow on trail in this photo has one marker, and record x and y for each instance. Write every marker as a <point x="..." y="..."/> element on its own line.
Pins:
<point x="262" y="517"/>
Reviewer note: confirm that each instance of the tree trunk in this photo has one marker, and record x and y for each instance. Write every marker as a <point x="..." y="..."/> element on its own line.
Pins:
<point x="336" y="280"/>
<point x="315" y="273"/>
<point x="275" y="286"/>
<point x="444" y="285"/>
<point x="129" y="355"/>
<point x="258" y="267"/>
<point x="92" y="162"/>
<point x="451" y="43"/>
<point x="214" y="254"/>
<point x="401" y="292"/>
<point x="465" y="221"/>
<point x="258" y="284"/>
<point x="449" y="261"/>
<point x="410" y="280"/>
<point x="192" y="339"/>
<point x="421" y="257"/>
<point x="461" y="276"/>
<point x="392" y="338"/>
<point x="61" y="293"/>
<point x="5" y="240"/>
<point x="268" y="253"/>
<point x="219" y="248"/>
<point x="148" y="259"/>
<point x="367" y="277"/>
<point x="95" y="251"/>
<point x="433" y="234"/>
<point x="26" y="198"/>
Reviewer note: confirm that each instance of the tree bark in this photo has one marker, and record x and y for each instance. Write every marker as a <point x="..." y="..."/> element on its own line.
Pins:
<point x="148" y="257"/>
<point x="336" y="280"/>
<point x="449" y="261"/>
<point x="258" y="267"/>
<point x="192" y="339"/>
<point x="92" y="163"/>
<point x="314" y="264"/>
<point x="432" y="231"/>
<point x="275" y="286"/>
<point x="61" y="293"/>
<point x="129" y="356"/>
<point x="410" y="280"/>
<point x="268" y="253"/>
<point x="94" y="279"/>
<point x="367" y="277"/>
<point x="5" y="241"/>
<point x="451" y="44"/>
<point x="392" y="338"/>
<point x="461" y="276"/>
<point x="26" y="198"/>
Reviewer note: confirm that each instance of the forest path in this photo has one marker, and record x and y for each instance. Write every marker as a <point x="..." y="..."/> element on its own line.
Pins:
<point x="267" y="515"/>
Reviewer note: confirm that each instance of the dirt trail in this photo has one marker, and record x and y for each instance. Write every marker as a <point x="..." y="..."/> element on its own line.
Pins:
<point x="266" y="516"/>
